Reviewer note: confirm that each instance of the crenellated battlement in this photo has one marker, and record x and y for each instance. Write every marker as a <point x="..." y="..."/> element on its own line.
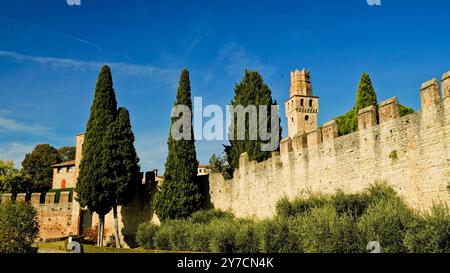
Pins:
<point x="36" y="200"/>
<point x="411" y="153"/>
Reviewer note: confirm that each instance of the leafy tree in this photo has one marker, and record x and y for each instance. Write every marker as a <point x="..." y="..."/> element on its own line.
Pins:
<point x="12" y="180"/>
<point x="404" y="110"/>
<point x="124" y="164"/>
<point x="180" y="195"/>
<point x="67" y="153"/>
<point x="18" y="227"/>
<point x="37" y="165"/>
<point x="219" y="164"/>
<point x="250" y="91"/>
<point x="93" y="186"/>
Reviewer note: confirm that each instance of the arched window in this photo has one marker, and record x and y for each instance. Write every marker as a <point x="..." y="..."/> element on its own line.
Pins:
<point x="306" y="117"/>
<point x="63" y="184"/>
<point x="310" y="103"/>
<point x="302" y="102"/>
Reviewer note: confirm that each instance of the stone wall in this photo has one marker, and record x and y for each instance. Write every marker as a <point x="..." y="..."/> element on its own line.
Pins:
<point x="55" y="219"/>
<point x="412" y="154"/>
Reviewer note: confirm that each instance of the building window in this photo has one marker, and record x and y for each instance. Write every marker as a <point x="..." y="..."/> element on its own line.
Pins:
<point x="302" y="102"/>
<point x="310" y="103"/>
<point x="306" y="117"/>
<point x="63" y="184"/>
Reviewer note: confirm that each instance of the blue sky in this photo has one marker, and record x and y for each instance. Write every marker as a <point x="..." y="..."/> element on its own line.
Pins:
<point x="50" y="54"/>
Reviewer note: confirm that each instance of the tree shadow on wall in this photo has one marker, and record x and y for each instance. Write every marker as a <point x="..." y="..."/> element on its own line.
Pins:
<point x="203" y="184"/>
<point x="139" y="210"/>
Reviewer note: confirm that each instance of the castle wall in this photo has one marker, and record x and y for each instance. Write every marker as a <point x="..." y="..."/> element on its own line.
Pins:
<point x="412" y="154"/>
<point x="55" y="219"/>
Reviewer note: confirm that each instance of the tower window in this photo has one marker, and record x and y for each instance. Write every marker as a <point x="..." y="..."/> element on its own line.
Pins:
<point x="306" y="117"/>
<point x="292" y="119"/>
<point x="302" y="103"/>
<point x="310" y="103"/>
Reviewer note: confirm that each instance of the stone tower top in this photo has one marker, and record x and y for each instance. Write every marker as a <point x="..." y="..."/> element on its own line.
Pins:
<point x="301" y="83"/>
<point x="302" y="107"/>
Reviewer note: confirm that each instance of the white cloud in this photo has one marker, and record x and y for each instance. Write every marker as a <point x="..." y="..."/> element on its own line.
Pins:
<point x="236" y="59"/>
<point x="9" y="125"/>
<point x="119" y="67"/>
<point x="15" y="151"/>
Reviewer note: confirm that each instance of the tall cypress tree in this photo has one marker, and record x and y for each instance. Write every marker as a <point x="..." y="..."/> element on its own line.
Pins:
<point x="179" y="195"/>
<point x="250" y="91"/>
<point x="365" y="96"/>
<point x="93" y="182"/>
<point x="124" y="164"/>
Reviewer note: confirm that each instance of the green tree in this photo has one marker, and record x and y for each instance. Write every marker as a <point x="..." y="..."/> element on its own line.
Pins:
<point x="219" y="164"/>
<point x="18" y="227"/>
<point x="124" y="164"/>
<point x="38" y="166"/>
<point x="67" y="153"/>
<point x="365" y="97"/>
<point x="93" y="186"/>
<point x="179" y="195"/>
<point x="250" y="91"/>
<point x="12" y="180"/>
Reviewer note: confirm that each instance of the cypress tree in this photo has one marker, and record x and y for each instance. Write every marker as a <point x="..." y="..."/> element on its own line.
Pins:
<point x="250" y="91"/>
<point x="179" y="195"/>
<point x="124" y="170"/>
<point x="93" y="181"/>
<point x="365" y="95"/>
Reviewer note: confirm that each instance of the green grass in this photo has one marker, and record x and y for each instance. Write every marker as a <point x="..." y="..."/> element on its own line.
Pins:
<point x="60" y="246"/>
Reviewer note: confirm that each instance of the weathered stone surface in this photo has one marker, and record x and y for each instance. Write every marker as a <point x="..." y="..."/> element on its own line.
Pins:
<point x="419" y="172"/>
<point x="367" y="117"/>
<point x="389" y="110"/>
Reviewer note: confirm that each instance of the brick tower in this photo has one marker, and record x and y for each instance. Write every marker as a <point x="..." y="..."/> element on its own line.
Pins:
<point x="302" y="107"/>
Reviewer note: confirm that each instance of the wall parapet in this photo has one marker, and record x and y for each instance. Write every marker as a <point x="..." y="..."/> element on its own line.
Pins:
<point x="35" y="198"/>
<point x="322" y="161"/>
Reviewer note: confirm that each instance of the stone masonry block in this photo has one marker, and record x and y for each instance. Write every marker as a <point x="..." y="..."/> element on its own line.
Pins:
<point x="367" y="117"/>
<point x="285" y="146"/>
<point x="389" y="110"/>
<point x="330" y="130"/>
<point x="430" y="94"/>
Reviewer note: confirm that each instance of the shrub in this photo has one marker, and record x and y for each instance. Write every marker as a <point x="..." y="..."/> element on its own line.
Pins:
<point x="275" y="236"/>
<point x="200" y="238"/>
<point x="353" y="204"/>
<point x="206" y="216"/>
<point x="284" y="208"/>
<point x="178" y="231"/>
<point x="145" y="235"/>
<point x="387" y="222"/>
<point x="248" y="237"/>
<point x="300" y="205"/>
<point x="325" y="231"/>
<point x="381" y="191"/>
<point x="430" y="234"/>
<point x="162" y="238"/>
<point x="223" y="236"/>
<point x="18" y="228"/>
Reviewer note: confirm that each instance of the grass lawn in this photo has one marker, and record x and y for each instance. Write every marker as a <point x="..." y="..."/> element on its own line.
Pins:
<point x="55" y="247"/>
